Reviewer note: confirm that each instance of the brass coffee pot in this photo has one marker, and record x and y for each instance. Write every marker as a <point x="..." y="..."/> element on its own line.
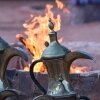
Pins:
<point x="58" y="60"/>
<point x="6" y="53"/>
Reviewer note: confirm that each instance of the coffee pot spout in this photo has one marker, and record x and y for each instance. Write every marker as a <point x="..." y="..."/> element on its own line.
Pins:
<point x="72" y="56"/>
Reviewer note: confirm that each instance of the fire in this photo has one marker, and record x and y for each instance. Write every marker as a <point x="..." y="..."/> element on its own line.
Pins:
<point x="26" y="68"/>
<point x="73" y="69"/>
<point x="61" y="6"/>
<point x="36" y="32"/>
<point x="79" y="69"/>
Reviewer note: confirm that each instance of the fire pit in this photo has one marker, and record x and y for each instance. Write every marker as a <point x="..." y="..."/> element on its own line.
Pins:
<point x="85" y="84"/>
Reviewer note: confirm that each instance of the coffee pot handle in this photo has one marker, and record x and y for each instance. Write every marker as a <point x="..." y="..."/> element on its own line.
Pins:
<point x="33" y="76"/>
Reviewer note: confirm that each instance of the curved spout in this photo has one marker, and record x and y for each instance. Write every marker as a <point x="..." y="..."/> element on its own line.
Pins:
<point x="9" y="93"/>
<point x="7" y="55"/>
<point x="76" y="55"/>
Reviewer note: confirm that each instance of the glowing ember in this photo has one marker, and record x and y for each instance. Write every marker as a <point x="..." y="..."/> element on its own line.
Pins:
<point x="79" y="69"/>
<point x="26" y="68"/>
<point x="37" y="34"/>
<point x="74" y="69"/>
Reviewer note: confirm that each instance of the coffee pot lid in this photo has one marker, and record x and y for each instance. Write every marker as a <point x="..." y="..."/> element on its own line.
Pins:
<point x="55" y="49"/>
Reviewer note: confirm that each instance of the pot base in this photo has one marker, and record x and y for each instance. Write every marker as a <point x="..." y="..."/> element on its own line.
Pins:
<point x="45" y="97"/>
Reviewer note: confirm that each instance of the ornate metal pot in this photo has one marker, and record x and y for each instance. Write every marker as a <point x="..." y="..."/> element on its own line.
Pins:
<point x="6" y="53"/>
<point x="58" y="60"/>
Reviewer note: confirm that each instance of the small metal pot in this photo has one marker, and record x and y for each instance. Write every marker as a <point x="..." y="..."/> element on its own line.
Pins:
<point x="6" y="53"/>
<point x="58" y="60"/>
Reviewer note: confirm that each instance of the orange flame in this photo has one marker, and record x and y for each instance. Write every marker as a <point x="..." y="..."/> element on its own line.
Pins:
<point x="37" y="34"/>
<point x="61" y="6"/>
<point x="79" y="69"/>
<point x="26" y="68"/>
<point x="73" y="69"/>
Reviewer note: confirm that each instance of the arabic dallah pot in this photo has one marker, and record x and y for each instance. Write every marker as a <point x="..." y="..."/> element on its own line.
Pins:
<point x="6" y="53"/>
<point x="58" y="60"/>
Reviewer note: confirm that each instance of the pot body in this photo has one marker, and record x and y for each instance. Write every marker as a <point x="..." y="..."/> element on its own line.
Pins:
<point x="57" y="60"/>
<point x="6" y="53"/>
<point x="74" y="97"/>
<point x="58" y="78"/>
